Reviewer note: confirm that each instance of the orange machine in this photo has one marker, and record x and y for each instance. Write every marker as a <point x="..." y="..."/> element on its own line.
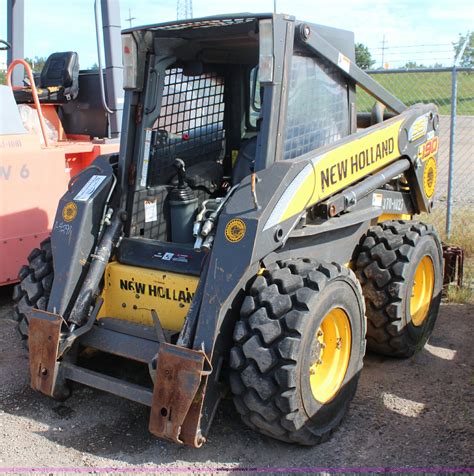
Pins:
<point x="37" y="163"/>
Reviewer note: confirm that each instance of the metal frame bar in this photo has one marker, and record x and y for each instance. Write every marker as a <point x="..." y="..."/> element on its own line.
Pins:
<point x="113" y="63"/>
<point x="123" y="345"/>
<point x="121" y="388"/>
<point x="447" y="69"/>
<point x="274" y="100"/>
<point x="452" y="144"/>
<point x="15" y="36"/>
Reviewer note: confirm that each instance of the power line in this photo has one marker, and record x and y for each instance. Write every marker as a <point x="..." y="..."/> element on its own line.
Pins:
<point x="425" y="60"/>
<point x="130" y="18"/>
<point x="418" y="52"/>
<point x="423" y="57"/>
<point x="383" y="49"/>
<point x="408" y="46"/>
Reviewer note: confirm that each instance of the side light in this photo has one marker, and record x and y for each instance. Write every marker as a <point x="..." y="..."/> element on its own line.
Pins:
<point x="130" y="61"/>
<point x="266" y="59"/>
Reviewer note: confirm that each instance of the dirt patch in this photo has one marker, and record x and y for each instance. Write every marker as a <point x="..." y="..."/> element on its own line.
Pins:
<point x="406" y="413"/>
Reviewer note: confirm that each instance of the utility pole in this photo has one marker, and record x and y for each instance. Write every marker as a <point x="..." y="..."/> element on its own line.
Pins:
<point x="383" y="51"/>
<point x="130" y="18"/>
<point x="184" y="9"/>
<point x="274" y="6"/>
<point x="15" y="36"/>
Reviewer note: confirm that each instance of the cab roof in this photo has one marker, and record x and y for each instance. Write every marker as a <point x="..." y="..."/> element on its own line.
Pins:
<point x="203" y="22"/>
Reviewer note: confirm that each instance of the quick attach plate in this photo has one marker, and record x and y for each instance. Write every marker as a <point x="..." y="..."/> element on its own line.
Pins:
<point x="43" y="341"/>
<point x="179" y="374"/>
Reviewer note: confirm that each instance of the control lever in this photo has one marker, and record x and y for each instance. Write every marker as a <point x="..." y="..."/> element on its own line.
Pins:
<point x="183" y="205"/>
<point x="181" y="168"/>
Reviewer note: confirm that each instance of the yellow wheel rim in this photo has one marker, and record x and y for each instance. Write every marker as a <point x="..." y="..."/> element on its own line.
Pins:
<point x="331" y="352"/>
<point x="422" y="292"/>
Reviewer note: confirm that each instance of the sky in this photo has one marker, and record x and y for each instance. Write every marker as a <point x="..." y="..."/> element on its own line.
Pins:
<point x="419" y="30"/>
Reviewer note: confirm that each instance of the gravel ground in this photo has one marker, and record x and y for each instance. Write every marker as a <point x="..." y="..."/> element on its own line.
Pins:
<point x="407" y="413"/>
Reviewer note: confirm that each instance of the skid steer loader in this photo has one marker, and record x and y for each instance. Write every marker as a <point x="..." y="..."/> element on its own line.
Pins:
<point x="250" y="234"/>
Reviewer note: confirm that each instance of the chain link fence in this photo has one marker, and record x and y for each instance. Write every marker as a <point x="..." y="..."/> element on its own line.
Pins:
<point x="452" y="90"/>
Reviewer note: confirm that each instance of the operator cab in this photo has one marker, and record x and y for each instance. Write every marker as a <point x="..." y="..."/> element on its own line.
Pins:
<point x="207" y="93"/>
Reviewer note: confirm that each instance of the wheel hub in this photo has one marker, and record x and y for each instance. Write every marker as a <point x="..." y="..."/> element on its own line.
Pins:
<point x="330" y="355"/>
<point x="422" y="291"/>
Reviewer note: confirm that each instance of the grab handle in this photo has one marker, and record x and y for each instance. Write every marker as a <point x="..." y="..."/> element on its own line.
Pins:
<point x="34" y="92"/>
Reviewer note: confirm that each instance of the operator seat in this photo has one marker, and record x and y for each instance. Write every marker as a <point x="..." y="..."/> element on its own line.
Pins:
<point x="58" y="82"/>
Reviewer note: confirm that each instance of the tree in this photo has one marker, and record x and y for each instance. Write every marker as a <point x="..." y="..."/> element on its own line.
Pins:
<point x="363" y="57"/>
<point x="36" y="63"/>
<point x="413" y="65"/>
<point x="467" y="59"/>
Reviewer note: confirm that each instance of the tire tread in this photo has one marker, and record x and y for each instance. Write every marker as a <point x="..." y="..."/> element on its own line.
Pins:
<point x="34" y="288"/>
<point x="266" y="345"/>
<point x="382" y="267"/>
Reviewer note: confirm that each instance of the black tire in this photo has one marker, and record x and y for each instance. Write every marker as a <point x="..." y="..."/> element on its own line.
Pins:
<point x="388" y="259"/>
<point x="36" y="280"/>
<point x="273" y="345"/>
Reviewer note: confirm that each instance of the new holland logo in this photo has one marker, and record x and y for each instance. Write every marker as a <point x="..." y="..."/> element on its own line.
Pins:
<point x="69" y="211"/>
<point x="429" y="177"/>
<point x="235" y="230"/>
<point x="356" y="163"/>
<point x="163" y="292"/>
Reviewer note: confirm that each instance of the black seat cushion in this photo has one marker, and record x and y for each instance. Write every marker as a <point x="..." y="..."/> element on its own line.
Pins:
<point x="53" y="94"/>
<point x="58" y="82"/>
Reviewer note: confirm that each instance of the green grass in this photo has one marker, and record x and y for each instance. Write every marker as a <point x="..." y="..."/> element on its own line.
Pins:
<point x="412" y="88"/>
<point x="462" y="235"/>
<point x="462" y="230"/>
<point x="460" y="294"/>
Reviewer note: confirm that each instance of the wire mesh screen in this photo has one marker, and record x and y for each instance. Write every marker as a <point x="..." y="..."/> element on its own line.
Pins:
<point x="191" y="122"/>
<point x="317" y="112"/>
<point x="436" y="86"/>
